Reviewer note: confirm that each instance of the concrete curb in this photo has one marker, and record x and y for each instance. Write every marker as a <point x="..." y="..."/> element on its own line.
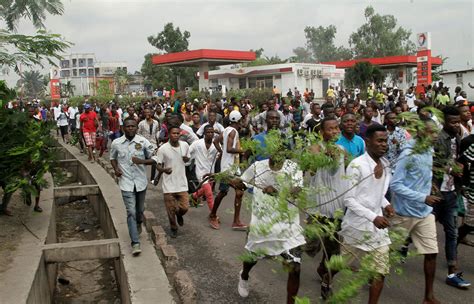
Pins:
<point x="180" y="279"/>
<point x="185" y="287"/>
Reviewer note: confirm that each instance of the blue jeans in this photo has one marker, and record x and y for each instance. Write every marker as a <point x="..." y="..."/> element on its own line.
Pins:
<point x="446" y="213"/>
<point x="135" y="205"/>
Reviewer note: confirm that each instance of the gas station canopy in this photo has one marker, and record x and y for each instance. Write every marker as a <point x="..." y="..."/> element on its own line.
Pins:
<point x="197" y="57"/>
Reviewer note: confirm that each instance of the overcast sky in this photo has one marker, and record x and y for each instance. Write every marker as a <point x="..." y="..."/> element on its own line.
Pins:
<point x="117" y="30"/>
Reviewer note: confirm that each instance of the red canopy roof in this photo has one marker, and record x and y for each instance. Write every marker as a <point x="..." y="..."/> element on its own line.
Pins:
<point x="390" y="61"/>
<point x="195" y="57"/>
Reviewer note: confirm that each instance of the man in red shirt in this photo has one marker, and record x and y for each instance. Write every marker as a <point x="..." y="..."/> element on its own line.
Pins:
<point x="89" y="123"/>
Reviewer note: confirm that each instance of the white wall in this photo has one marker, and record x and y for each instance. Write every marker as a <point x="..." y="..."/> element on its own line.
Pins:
<point x="449" y="80"/>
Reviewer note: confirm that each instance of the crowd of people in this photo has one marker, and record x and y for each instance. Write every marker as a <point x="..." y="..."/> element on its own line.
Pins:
<point x="388" y="171"/>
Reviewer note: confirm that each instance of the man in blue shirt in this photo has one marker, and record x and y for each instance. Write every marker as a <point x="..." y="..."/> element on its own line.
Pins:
<point x="411" y="187"/>
<point x="273" y="123"/>
<point x="352" y="143"/>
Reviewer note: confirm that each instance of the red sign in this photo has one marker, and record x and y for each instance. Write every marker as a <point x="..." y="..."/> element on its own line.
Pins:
<point x="55" y="89"/>
<point x="423" y="70"/>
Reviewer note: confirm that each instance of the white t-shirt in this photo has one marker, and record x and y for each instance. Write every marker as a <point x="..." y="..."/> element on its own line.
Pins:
<point x="229" y="159"/>
<point x="72" y="112"/>
<point x="172" y="157"/>
<point x="205" y="159"/>
<point x="285" y="232"/>
<point x="217" y="127"/>
<point x="63" y="119"/>
<point x="410" y="98"/>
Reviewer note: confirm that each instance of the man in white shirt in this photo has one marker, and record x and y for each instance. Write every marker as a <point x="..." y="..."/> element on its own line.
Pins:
<point x="364" y="226"/>
<point x="285" y="236"/>
<point x="212" y="121"/>
<point x="126" y="155"/>
<point x="171" y="158"/>
<point x="204" y="154"/>
<point x="231" y="151"/>
<point x="328" y="187"/>
<point x="410" y="98"/>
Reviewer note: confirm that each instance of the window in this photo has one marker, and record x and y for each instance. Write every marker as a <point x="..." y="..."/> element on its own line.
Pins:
<point x="459" y="79"/>
<point x="74" y="72"/>
<point x="65" y="64"/>
<point x="261" y="82"/>
<point x="74" y="63"/>
<point x="65" y="73"/>
<point x="242" y="83"/>
<point x="91" y="72"/>
<point x="90" y="62"/>
<point x="97" y="71"/>
<point x="82" y="62"/>
<point x="82" y="72"/>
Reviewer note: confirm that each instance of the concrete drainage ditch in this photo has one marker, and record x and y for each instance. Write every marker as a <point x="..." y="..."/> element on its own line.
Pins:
<point x="80" y="251"/>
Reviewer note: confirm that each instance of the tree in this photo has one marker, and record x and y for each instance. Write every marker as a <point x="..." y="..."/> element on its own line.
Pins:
<point x="169" y="40"/>
<point x="380" y="37"/>
<point x="17" y="49"/>
<point x="362" y="74"/>
<point x="67" y="89"/>
<point x="122" y="79"/>
<point x="302" y="54"/>
<point x="14" y="10"/>
<point x="32" y="84"/>
<point x="320" y="42"/>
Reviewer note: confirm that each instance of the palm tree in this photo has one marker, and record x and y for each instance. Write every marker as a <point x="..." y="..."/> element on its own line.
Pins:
<point x="32" y="84"/>
<point x="14" y="10"/>
<point x="121" y="80"/>
<point x="68" y="89"/>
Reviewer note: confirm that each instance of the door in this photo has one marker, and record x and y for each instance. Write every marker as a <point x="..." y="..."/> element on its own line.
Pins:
<point x="325" y="87"/>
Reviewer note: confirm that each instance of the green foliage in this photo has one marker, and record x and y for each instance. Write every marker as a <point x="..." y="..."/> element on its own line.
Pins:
<point x="104" y="93"/>
<point x="76" y="101"/>
<point x="17" y="49"/>
<point x="380" y="37"/>
<point x="320" y="42"/>
<point x="32" y="84"/>
<point x="122" y="79"/>
<point x="170" y="40"/>
<point x="362" y="74"/>
<point x="13" y="11"/>
<point x="26" y="150"/>
<point x="6" y="94"/>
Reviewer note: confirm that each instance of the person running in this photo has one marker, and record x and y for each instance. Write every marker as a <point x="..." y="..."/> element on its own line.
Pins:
<point x="411" y="186"/>
<point x="171" y="158"/>
<point x="124" y="153"/>
<point x="445" y="179"/>
<point x="204" y="153"/>
<point x="352" y="143"/>
<point x="89" y="123"/>
<point x="229" y="159"/>
<point x="364" y="226"/>
<point x="63" y="124"/>
<point x="285" y="237"/>
<point x="212" y="121"/>
<point x="328" y="187"/>
<point x="150" y="129"/>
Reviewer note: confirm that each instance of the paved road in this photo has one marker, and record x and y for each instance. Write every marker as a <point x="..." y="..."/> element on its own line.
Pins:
<point x="211" y="257"/>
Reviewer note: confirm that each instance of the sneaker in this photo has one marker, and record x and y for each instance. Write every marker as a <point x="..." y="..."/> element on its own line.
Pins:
<point x="174" y="233"/>
<point x="136" y="250"/>
<point x="139" y="228"/>
<point x="180" y="219"/>
<point x="456" y="280"/>
<point x="243" y="286"/>
<point x="214" y="223"/>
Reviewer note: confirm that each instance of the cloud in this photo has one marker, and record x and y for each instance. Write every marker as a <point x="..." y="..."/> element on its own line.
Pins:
<point x="118" y="30"/>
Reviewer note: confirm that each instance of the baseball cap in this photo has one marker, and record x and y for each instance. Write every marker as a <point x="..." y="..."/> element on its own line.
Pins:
<point x="87" y="106"/>
<point x="460" y="98"/>
<point x="235" y="116"/>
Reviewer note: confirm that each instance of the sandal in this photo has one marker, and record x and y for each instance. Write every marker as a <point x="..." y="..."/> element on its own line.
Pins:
<point x="38" y="209"/>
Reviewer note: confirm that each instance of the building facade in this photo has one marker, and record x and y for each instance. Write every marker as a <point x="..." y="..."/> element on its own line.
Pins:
<point x="317" y="77"/>
<point x="82" y="72"/>
<point x="460" y="78"/>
